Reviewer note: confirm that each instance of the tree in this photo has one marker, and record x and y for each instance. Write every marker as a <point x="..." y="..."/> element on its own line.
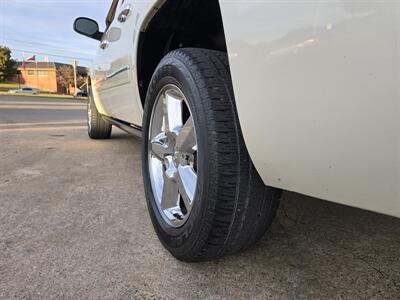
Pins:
<point x="80" y="80"/>
<point x="65" y="77"/>
<point x="8" y="66"/>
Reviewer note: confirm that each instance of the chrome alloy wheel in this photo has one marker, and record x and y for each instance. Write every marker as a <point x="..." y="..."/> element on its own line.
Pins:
<point x="172" y="157"/>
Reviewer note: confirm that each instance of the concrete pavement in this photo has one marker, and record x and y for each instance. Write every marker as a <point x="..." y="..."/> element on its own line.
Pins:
<point x="74" y="225"/>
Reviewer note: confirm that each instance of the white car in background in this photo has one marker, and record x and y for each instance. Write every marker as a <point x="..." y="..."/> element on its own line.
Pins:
<point x="25" y="90"/>
<point x="238" y="100"/>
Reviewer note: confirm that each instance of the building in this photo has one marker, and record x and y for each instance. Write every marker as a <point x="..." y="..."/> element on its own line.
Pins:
<point x="43" y="76"/>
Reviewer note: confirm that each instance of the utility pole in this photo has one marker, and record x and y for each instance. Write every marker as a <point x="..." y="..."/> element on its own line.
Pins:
<point x="74" y="63"/>
<point x="19" y="79"/>
<point x="37" y="75"/>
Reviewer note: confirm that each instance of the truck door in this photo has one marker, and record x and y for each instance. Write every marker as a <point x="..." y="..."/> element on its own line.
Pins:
<point x="113" y="68"/>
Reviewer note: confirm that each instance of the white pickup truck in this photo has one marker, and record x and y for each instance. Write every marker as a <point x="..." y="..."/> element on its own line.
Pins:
<point x="238" y="100"/>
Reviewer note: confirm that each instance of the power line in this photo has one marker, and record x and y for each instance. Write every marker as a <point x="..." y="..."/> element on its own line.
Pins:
<point x="55" y="55"/>
<point x="44" y="46"/>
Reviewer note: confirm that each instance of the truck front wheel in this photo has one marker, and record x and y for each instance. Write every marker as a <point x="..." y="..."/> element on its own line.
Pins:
<point x="205" y="197"/>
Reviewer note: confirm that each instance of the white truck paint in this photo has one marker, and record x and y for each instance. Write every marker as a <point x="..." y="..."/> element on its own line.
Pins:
<point x="317" y="89"/>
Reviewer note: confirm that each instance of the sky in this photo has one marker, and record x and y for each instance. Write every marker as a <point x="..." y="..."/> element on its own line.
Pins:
<point x="44" y="28"/>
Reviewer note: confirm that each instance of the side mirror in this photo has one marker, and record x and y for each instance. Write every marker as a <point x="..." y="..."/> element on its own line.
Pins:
<point x="88" y="27"/>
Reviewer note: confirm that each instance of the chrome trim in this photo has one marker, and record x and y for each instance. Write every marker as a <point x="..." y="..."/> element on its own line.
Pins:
<point x="116" y="72"/>
<point x="104" y="44"/>
<point x="124" y="14"/>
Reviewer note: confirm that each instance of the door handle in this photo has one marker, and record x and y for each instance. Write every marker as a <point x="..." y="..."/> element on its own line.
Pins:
<point x="104" y="44"/>
<point x="118" y="71"/>
<point x="124" y="14"/>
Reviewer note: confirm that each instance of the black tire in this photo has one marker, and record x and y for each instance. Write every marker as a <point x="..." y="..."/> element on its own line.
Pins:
<point x="98" y="128"/>
<point x="233" y="207"/>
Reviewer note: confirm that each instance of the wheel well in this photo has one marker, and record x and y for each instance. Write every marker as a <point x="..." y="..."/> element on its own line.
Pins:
<point x="177" y="24"/>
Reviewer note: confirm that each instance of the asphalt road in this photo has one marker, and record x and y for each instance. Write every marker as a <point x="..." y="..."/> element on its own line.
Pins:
<point x="28" y="110"/>
<point x="74" y="225"/>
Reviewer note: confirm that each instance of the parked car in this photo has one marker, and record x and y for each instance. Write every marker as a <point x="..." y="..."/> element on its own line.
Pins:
<point x="238" y="100"/>
<point x="25" y="90"/>
<point x="81" y="94"/>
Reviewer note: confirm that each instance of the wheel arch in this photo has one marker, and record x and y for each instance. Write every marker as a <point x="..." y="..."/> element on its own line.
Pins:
<point x="171" y="25"/>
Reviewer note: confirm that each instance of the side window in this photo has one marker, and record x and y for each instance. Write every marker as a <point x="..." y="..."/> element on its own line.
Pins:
<point x="43" y="73"/>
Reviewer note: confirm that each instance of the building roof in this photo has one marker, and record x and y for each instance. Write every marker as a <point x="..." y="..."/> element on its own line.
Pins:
<point x="49" y="65"/>
<point x="38" y="65"/>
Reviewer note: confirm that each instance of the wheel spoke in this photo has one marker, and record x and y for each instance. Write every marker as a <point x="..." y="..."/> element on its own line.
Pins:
<point x="186" y="139"/>
<point x="157" y="125"/>
<point x="187" y="180"/>
<point x="170" y="195"/>
<point x="156" y="169"/>
<point x="172" y="112"/>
